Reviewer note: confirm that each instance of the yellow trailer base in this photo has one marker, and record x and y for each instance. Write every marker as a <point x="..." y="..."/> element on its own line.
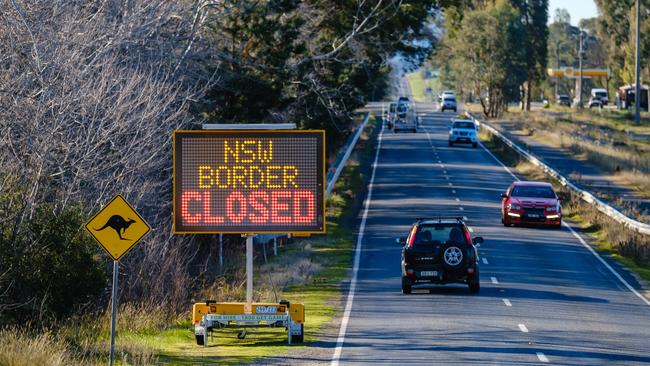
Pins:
<point x="209" y="316"/>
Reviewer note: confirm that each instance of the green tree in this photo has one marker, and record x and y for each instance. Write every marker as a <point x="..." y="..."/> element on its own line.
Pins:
<point x="490" y="54"/>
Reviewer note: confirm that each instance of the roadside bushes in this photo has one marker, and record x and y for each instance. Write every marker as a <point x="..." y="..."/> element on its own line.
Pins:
<point x="49" y="267"/>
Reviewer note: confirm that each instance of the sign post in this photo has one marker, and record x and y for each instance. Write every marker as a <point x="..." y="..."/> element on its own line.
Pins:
<point x="248" y="180"/>
<point x="117" y="228"/>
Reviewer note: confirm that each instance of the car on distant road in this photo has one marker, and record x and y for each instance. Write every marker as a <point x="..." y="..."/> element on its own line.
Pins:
<point x="448" y="103"/>
<point x="462" y="131"/>
<point x="595" y="102"/>
<point x="440" y="251"/>
<point x="563" y="99"/>
<point x="600" y="94"/>
<point x="534" y="203"/>
<point x="446" y="93"/>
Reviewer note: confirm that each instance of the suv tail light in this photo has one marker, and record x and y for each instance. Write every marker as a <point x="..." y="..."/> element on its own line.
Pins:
<point x="468" y="239"/>
<point x="411" y="237"/>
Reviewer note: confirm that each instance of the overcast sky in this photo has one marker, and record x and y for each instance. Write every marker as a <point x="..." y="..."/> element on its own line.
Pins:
<point x="578" y="9"/>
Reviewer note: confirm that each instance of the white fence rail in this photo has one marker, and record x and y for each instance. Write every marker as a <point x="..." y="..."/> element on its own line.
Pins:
<point x="588" y="197"/>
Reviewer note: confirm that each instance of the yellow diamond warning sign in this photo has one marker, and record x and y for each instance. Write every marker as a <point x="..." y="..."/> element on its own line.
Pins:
<point x="117" y="227"/>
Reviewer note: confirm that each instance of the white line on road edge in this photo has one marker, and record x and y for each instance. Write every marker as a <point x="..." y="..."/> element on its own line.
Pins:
<point x="582" y="241"/>
<point x="357" y="257"/>
<point x="498" y="161"/>
<point x="618" y="276"/>
<point x="523" y="328"/>
<point x="542" y="357"/>
<point x="494" y="280"/>
<point x="485" y="261"/>
<point x="507" y="302"/>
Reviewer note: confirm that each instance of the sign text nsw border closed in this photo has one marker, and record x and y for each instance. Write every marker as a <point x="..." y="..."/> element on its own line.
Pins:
<point x="249" y="181"/>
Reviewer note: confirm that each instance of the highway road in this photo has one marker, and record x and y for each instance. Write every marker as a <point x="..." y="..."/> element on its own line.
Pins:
<point x="545" y="297"/>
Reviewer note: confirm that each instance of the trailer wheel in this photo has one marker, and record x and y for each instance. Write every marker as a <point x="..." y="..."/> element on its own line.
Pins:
<point x="299" y="338"/>
<point x="200" y="339"/>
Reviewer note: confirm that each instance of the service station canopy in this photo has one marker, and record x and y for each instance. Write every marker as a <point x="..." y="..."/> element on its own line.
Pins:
<point x="249" y="181"/>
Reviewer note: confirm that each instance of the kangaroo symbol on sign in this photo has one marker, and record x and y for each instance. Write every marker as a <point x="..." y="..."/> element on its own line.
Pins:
<point x="119" y="224"/>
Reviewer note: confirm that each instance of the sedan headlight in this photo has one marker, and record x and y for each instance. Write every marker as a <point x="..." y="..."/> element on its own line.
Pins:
<point x="514" y="207"/>
<point x="550" y="209"/>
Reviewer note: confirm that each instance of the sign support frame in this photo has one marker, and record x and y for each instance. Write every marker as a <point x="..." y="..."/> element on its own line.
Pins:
<point x="116" y="266"/>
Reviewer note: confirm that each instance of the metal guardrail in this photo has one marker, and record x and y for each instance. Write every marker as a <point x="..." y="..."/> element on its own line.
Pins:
<point x="586" y="196"/>
<point x="332" y="174"/>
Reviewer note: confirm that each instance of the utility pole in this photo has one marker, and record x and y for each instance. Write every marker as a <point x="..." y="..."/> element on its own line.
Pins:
<point x="557" y="64"/>
<point x="580" y="105"/>
<point x="637" y="85"/>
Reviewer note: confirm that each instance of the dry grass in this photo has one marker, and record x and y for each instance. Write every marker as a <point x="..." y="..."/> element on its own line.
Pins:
<point x="20" y="348"/>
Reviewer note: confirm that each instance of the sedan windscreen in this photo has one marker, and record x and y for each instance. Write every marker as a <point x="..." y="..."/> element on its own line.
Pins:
<point x="533" y="192"/>
<point x="468" y="125"/>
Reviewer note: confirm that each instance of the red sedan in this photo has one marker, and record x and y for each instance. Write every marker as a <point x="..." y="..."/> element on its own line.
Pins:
<point x="531" y="203"/>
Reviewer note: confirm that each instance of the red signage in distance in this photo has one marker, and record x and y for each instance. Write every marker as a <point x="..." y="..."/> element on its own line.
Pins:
<point x="249" y="181"/>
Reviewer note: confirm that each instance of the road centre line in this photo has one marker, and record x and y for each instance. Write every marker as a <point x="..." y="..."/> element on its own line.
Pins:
<point x="453" y="191"/>
<point x="357" y="258"/>
<point x="507" y="302"/>
<point x="460" y="208"/>
<point x="582" y="241"/>
<point x="457" y="199"/>
<point x="494" y="280"/>
<point x="451" y="185"/>
<point x="542" y="357"/>
<point x="485" y="261"/>
<point x="523" y="328"/>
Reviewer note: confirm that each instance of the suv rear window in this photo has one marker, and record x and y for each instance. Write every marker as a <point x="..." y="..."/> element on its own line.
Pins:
<point x="431" y="235"/>
<point x="450" y="99"/>
<point x="533" y="192"/>
<point x="468" y="125"/>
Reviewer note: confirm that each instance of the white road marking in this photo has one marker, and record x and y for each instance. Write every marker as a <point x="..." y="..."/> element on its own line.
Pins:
<point x="542" y="357"/>
<point x="451" y="185"/>
<point x="494" y="280"/>
<point x="465" y="218"/>
<point x="485" y="261"/>
<point x="453" y="191"/>
<point x="440" y="161"/>
<point x="457" y="199"/>
<point x="444" y="172"/>
<point x="523" y="328"/>
<point x="507" y="302"/>
<point x="446" y="177"/>
<point x="357" y="257"/>
<point x="498" y="161"/>
<point x="582" y="241"/>
<point x="612" y="270"/>
<point x="460" y="208"/>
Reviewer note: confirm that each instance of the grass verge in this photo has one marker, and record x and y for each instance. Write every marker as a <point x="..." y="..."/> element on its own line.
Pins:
<point x="627" y="247"/>
<point x="419" y="86"/>
<point x="308" y="270"/>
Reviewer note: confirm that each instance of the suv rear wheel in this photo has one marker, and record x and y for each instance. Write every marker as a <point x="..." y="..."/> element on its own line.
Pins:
<point x="406" y="286"/>
<point x="453" y="255"/>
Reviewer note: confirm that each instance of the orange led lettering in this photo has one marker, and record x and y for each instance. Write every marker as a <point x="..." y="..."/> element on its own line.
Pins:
<point x="278" y="207"/>
<point x="236" y="215"/>
<point x="289" y="173"/>
<point x="270" y="177"/>
<point x="228" y="151"/>
<point x="238" y="178"/>
<point x="205" y="178"/>
<point x="265" y="156"/>
<point x="304" y="207"/>
<point x="186" y="198"/>
<point x="207" y="211"/>
<point x="259" y="201"/>
<point x="245" y="152"/>
<point x="218" y="177"/>
<point x="255" y="177"/>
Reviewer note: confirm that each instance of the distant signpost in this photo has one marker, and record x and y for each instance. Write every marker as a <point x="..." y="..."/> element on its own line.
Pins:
<point x="118" y="228"/>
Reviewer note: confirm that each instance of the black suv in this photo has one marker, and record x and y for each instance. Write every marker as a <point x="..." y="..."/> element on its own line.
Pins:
<point x="440" y="251"/>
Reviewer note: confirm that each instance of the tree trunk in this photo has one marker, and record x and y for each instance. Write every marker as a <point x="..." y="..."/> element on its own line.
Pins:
<point x="529" y="88"/>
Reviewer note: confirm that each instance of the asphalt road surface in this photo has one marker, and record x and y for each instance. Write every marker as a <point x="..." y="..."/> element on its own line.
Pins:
<point x="545" y="297"/>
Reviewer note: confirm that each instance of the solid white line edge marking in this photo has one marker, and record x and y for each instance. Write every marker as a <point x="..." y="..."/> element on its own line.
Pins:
<point x="357" y="257"/>
<point x="523" y="328"/>
<point x="542" y="357"/>
<point x="582" y="241"/>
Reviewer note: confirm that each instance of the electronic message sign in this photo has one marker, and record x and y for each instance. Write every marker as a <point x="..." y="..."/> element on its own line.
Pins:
<point x="249" y="181"/>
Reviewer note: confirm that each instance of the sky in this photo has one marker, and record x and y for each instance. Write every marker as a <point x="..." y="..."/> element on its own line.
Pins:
<point x="578" y="9"/>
